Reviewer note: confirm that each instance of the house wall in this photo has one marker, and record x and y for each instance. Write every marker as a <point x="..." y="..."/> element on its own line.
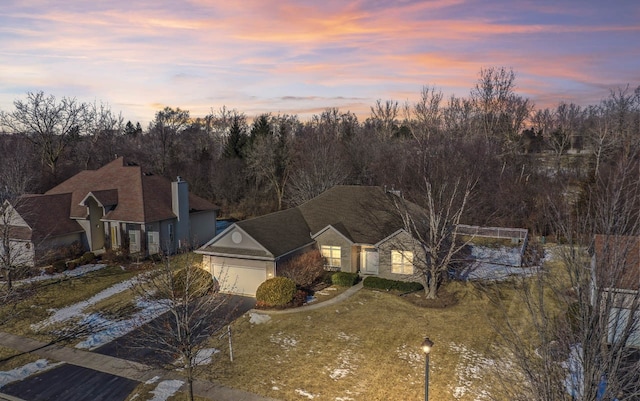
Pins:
<point x="22" y="252"/>
<point x="203" y="227"/>
<point x="168" y="240"/>
<point x="50" y="245"/>
<point x="400" y="242"/>
<point x="333" y="238"/>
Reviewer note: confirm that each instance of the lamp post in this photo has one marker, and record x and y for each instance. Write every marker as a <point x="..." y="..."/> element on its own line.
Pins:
<point x="426" y="348"/>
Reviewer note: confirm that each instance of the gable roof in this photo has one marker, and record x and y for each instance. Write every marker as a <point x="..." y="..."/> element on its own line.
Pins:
<point x="138" y="197"/>
<point x="46" y="216"/>
<point x="362" y="214"/>
<point x="617" y="260"/>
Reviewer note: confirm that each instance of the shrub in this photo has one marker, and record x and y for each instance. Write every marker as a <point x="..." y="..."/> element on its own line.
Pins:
<point x="86" y="258"/>
<point x="385" y="284"/>
<point x="59" y="266"/>
<point x="277" y="291"/>
<point x="305" y="270"/>
<point x="344" y="279"/>
<point x="300" y="298"/>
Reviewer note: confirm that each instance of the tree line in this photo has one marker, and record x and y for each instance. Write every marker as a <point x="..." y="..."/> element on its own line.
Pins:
<point x="520" y="158"/>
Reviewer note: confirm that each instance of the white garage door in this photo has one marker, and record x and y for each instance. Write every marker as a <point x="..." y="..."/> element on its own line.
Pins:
<point x="240" y="280"/>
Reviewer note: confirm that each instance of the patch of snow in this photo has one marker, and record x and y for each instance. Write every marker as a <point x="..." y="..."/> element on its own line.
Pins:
<point x="311" y="299"/>
<point x="258" y="318"/>
<point x="275" y="388"/>
<point x="109" y="330"/>
<point x="25" y="371"/>
<point x="285" y="342"/>
<point x="78" y="271"/>
<point x="470" y="369"/>
<point x="346" y="365"/>
<point x="76" y="309"/>
<point x="152" y="380"/>
<point x="305" y="393"/>
<point x="408" y="353"/>
<point x="346" y="337"/>
<point x="202" y="357"/>
<point x="575" y="379"/>
<point x="166" y="389"/>
<point x="496" y="263"/>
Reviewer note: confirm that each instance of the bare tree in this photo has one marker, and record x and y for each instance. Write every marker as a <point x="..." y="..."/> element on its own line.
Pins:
<point x="50" y="124"/>
<point x="189" y="295"/>
<point x="435" y="228"/>
<point x="384" y="118"/>
<point x="578" y="331"/>
<point x="500" y="111"/>
<point x="16" y="256"/>
<point x="428" y="112"/>
<point x="164" y="129"/>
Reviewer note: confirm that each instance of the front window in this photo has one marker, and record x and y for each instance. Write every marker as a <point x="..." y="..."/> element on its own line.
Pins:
<point x="402" y="262"/>
<point x="331" y="255"/>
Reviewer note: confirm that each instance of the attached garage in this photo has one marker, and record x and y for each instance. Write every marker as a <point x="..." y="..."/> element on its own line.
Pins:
<point x="241" y="280"/>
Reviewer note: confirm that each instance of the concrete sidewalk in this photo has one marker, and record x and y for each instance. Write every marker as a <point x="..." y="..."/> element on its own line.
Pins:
<point x="348" y="293"/>
<point x="121" y="367"/>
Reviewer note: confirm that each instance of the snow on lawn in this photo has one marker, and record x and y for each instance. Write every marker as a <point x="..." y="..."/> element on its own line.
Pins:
<point x="116" y="329"/>
<point x="496" y="263"/>
<point x="166" y="389"/>
<point x="76" y="309"/>
<point x="258" y="318"/>
<point x="471" y="368"/>
<point x="25" y="371"/>
<point x="78" y="271"/>
<point x="305" y="393"/>
<point x="203" y="357"/>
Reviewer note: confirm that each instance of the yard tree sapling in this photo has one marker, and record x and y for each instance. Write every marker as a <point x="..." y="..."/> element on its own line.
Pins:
<point x="195" y="310"/>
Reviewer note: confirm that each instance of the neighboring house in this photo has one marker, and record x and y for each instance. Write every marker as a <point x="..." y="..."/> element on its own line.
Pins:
<point x="357" y="229"/>
<point x="615" y="265"/>
<point x="115" y="206"/>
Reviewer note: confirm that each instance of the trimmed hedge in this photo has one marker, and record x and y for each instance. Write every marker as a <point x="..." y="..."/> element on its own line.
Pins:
<point x="277" y="291"/>
<point x="87" y="258"/>
<point x="385" y="284"/>
<point x="344" y="279"/>
<point x="199" y="282"/>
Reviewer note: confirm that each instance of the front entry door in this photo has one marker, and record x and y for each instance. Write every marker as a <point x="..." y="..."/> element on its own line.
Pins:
<point x="370" y="261"/>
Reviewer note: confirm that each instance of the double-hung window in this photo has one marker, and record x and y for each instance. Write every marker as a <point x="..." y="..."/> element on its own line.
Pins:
<point x="332" y="256"/>
<point x="402" y="262"/>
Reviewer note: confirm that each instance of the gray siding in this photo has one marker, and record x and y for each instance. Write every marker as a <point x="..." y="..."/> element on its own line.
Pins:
<point x="203" y="227"/>
<point x="332" y="238"/>
<point x="400" y="242"/>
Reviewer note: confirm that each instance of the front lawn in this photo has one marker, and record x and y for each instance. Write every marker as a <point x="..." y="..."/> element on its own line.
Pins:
<point x="365" y="348"/>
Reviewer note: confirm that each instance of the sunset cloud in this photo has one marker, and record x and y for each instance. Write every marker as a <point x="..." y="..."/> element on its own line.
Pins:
<point x="303" y="56"/>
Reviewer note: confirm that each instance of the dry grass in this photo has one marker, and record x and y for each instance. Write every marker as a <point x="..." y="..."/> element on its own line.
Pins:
<point x="57" y="294"/>
<point x="365" y="348"/>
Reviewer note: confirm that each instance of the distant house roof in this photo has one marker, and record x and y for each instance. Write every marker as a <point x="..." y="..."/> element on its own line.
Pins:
<point x="137" y="197"/>
<point x="46" y="215"/>
<point x="617" y="261"/>
<point x="362" y="214"/>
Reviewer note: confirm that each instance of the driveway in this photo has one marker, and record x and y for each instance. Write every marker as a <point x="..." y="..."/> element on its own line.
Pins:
<point x="73" y="383"/>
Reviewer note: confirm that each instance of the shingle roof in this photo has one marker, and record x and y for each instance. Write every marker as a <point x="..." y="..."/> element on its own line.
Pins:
<point x="279" y="232"/>
<point x="46" y="215"/>
<point x="141" y="198"/>
<point x="363" y="214"/>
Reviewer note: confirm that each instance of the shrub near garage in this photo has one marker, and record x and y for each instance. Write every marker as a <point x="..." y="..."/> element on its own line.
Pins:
<point x="277" y="291"/>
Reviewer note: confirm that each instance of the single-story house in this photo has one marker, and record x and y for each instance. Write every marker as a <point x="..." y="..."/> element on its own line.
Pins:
<point x="115" y="206"/>
<point x="357" y="229"/>
<point x="615" y="266"/>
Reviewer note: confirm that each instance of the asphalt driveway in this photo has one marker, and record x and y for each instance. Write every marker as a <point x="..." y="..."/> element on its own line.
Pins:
<point x="74" y="383"/>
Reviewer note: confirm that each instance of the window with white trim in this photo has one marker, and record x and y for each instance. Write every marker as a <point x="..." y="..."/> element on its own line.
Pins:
<point x="402" y="262"/>
<point x="331" y="255"/>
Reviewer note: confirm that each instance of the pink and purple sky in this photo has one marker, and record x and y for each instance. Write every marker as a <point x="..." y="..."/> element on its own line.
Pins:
<point x="302" y="56"/>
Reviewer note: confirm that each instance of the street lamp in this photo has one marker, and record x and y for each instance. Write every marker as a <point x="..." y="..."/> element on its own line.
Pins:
<point x="426" y="348"/>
